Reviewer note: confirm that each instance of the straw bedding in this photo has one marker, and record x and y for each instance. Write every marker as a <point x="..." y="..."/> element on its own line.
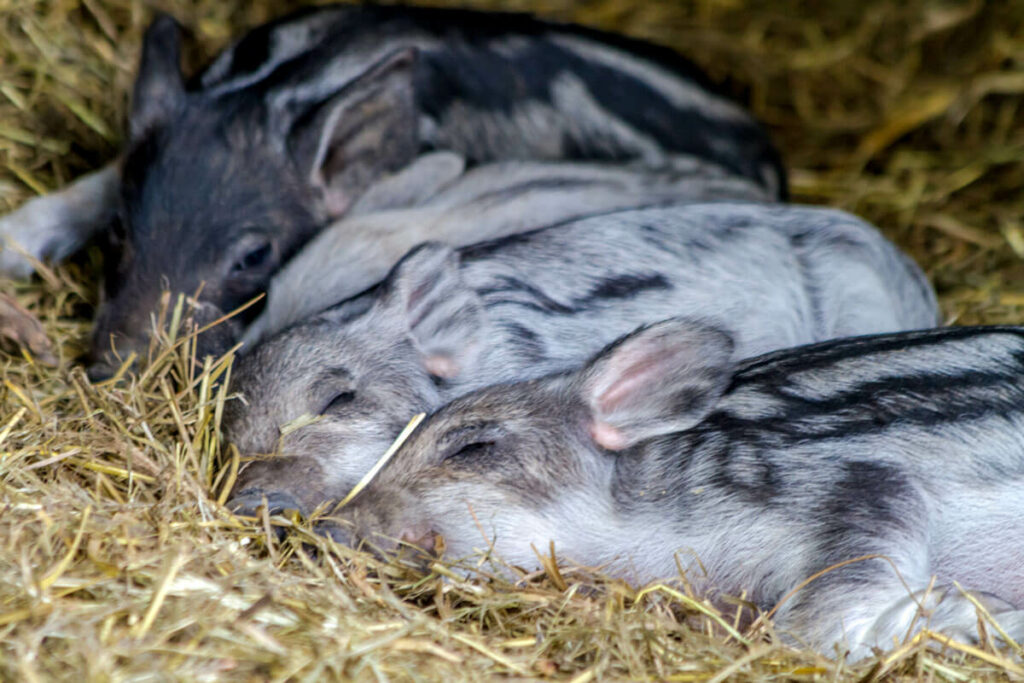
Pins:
<point x="117" y="559"/>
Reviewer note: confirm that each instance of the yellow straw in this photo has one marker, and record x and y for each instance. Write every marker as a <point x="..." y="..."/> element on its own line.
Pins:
<point x="409" y="429"/>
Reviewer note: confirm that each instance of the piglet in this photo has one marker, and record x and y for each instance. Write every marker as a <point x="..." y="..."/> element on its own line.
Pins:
<point x="227" y="174"/>
<point x="341" y="385"/>
<point x="434" y="200"/>
<point x="890" y="467"/>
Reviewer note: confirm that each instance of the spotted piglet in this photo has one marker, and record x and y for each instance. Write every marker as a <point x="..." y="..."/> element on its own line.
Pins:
<point x="331" y="393"/>
<point x="890" y="467"/>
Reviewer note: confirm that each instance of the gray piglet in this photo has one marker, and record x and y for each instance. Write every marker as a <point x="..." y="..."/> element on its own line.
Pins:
<point x="448" y="321"/>
<point x="890" y="459"/>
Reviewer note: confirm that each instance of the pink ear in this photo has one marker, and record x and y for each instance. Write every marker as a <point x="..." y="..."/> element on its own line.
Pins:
<point x="608" y="437"/>
<point x="336" y="202"/>
<point x="444" y="367"/>
<point x="634" y="376"/>
<point x="444" y="316"/>
<point x="662" y="378"/>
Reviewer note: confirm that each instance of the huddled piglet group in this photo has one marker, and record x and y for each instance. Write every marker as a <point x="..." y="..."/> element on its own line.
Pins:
<point x="574" y="254"/>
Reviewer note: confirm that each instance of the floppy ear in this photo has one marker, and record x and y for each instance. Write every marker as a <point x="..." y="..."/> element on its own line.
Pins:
<point x="445" y="318"/>
<point x="160" y="87"/>
<point x="660" y="379"/>
<point x="363" y="130"/>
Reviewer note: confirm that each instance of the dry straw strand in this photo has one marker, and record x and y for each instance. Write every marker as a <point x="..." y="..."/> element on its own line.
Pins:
<point x="118" y="559"/>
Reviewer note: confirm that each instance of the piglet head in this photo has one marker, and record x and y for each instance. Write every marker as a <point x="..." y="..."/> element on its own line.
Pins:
<point x="334" y="391"/>
<point x="511" y="468"/>
<point x="221" y="186"/>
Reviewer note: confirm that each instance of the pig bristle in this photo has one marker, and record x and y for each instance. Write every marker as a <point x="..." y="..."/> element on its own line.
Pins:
<point x="118" y="559"/>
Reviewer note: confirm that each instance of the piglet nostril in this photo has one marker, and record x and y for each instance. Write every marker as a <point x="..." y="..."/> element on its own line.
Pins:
<point x="104" y="366"/>
<point x="99" y="371"/>
<point x="249" y="501"/>
<point x="426" y="542"/>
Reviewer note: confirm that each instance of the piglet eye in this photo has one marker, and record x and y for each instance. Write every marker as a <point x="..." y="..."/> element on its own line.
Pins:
<point x="339" y="400"/>
<point x="471" y="441"/>
<point x="253" y="259"/>
<point x="477" y="449"/>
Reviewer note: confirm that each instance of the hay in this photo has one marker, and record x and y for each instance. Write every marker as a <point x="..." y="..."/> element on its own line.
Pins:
<point x="117" y="559"/>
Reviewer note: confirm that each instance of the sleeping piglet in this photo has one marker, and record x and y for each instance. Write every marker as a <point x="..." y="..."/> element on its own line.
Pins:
<point x="446" y="321"/>
<point x="436" y="199"/>
<point x="895" y="460"/>
<point x="227" y="174"/>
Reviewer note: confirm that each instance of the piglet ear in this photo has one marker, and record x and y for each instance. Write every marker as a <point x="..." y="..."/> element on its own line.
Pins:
<point x="444" y="317"/>
<point x="366" y="128"/>
<point x="160" y="87"/>
<point x="660" y="379"/>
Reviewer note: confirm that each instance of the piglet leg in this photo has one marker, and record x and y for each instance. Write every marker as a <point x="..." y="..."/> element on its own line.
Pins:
<point x="21" y="327"/>
<point x="54" y="226"/>
<point x="871" y="607"/>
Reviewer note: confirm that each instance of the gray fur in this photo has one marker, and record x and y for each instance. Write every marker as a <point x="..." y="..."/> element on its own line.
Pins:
<point x="446" y="322"/>
<point x="488" y="201"/>
<point x="53" y="227"/>
<point x="752" y="476"/>
<point x="228" y="175"/>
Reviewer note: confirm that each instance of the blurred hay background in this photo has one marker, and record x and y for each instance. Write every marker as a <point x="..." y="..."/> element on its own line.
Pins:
<point x="116" y="559"/>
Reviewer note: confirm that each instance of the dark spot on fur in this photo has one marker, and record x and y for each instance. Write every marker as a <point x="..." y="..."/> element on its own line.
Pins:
<point x="624" y="287"/>
<point x="525" y="342"/>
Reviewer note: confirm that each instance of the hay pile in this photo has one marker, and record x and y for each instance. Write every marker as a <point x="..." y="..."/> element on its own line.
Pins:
<point x="116" y="558"/>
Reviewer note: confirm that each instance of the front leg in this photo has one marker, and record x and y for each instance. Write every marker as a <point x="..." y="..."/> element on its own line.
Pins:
<point x="871" y="607"/>
<point x="947" y="610"/>
<point x="54" y="226"/>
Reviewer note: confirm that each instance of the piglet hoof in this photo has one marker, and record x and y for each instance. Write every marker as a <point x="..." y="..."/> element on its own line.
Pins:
<point x="21" y="328"/>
